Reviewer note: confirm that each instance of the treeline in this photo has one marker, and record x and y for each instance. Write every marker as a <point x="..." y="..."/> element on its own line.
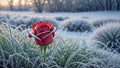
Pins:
<point x="73" y="5"/>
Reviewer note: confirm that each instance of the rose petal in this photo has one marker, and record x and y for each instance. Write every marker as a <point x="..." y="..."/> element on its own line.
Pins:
<point x="44" y="31"/>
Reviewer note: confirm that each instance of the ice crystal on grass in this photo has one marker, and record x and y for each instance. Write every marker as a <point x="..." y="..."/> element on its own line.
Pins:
<point x="17" y="50"/>
<point x="76" y="25"/>
<point x="26" y="20"/>
<point x="108" y="36"/>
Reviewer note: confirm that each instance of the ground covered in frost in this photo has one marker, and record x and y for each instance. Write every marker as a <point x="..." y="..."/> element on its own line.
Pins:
<point x="69" y="48"/>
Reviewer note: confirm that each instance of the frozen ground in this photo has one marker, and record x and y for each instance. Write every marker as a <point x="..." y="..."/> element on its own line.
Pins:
<point x="67" y="34"/>
<point x="90" y="16"/>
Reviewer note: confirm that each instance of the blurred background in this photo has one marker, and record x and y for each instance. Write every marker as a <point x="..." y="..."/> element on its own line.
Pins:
<point x="59" y="5"/>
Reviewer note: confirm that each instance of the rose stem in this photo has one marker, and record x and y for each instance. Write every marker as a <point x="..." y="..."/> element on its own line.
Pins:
<point x="44" y="53"/>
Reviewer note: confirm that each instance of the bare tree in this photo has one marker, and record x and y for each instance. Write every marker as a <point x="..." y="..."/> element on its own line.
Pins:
<point x="76" y="5"/>
<point x="10" y="4"/>
<point x="70" y="5"/>
<point x="53" y="5"/>
<point x="38" y="5"/>
<point x="118" y="4"/>
<point x="60" y="5"/>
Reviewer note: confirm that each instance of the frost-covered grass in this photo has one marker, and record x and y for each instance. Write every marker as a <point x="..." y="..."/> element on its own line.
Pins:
<point x="76" y="25"/>
<point x="17" y="50"/>
<point x="99" y="23"/>
<point x="108" y="36"/>
<point x="25" y="20"/>
<point x="60" y="17"/>
<point x="28" y="54"/>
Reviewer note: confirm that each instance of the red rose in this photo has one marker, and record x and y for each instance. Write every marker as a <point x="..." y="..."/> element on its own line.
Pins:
<point x="43" y="33"/>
